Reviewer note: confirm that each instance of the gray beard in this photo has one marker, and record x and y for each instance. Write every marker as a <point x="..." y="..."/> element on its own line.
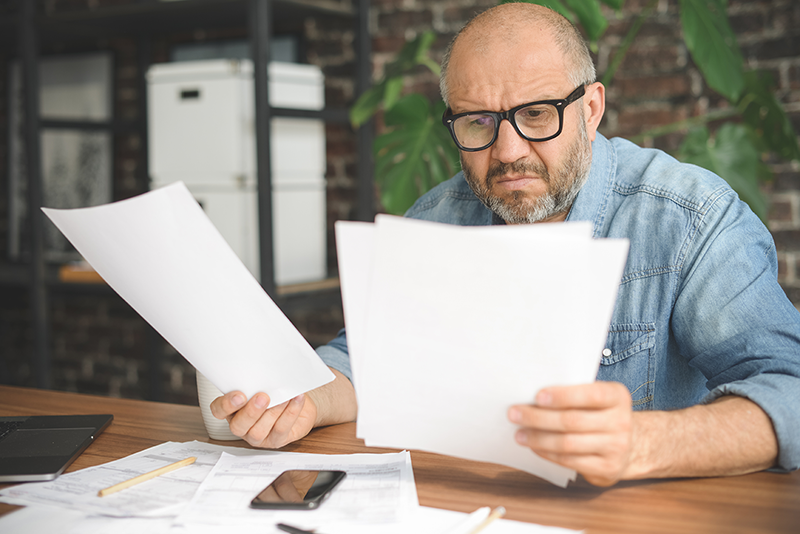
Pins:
<point x="563" y="185"/>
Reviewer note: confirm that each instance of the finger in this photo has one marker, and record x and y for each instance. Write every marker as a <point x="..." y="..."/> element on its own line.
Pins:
<point x="222" y="407"/>
<point x="284" y="427"/>
<point x="597" y="395"/>
<point x="277" y="425"/>
<point x="262" y="433"/>
<point x="552" y="420"/>
<point x="242" y="421"/>
<point x="603" y="444"/>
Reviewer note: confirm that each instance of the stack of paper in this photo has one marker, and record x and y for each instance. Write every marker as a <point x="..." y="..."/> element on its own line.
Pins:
<point x="212" y="495"/>
<point x="216" y="489"/>
<point x="449" y="326"/>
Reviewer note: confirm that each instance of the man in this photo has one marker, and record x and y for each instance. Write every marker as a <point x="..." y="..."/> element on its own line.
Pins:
<point x="701" y="374"/>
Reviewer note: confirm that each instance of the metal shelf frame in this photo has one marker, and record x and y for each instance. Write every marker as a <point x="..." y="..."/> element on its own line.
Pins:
<point x="142" y="20"/>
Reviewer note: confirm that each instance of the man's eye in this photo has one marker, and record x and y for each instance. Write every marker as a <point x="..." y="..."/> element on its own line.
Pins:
<point x="531" y="113"/>
<point x="480" y="121"/>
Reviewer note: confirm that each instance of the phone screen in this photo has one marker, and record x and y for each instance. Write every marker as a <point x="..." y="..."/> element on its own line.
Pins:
<point x="298" y="489"/>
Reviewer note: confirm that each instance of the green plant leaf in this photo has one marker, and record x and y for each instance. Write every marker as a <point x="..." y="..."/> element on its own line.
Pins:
<point x="412" y="156"/>
<point x="713" y="45"/>
<point x="414" y="53"/>
<point x="587" y="12"/>
<point x="555" y="5"/>
<point x="366" y="105"/>
<point x="387" y="91"/>
<point x="766" y="116"/>
<point x="391" y="94"/>
<point x="732" y="155"/>
<point x="614" y="4"/>
<point x="590" y="17"/>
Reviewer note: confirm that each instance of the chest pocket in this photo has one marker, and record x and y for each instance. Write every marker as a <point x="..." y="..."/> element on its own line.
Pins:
<point x="628" y="358"/>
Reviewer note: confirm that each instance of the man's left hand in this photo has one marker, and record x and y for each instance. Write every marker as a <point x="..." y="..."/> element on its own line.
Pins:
<point x="588" y="428"/>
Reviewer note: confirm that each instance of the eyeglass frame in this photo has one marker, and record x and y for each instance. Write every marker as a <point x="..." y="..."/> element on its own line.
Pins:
<point x="560" y="104"/>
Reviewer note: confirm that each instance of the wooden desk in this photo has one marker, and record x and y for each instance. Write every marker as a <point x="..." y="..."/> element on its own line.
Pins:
<point x="757" y="503"/>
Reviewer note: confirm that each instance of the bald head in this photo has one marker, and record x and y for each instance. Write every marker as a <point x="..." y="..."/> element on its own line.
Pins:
<point x="506" y="25"/>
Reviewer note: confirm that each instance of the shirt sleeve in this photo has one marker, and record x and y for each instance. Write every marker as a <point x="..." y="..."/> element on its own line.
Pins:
<point x="733" y="321"/>
<point x="335" y="354"/>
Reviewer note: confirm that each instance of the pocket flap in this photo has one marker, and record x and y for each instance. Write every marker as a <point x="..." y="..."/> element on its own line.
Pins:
<point x="625" y="340"/>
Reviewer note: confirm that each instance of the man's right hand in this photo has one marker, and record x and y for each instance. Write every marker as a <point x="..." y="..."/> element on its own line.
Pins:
<point x="259" y="426"/>
<point x="287" y="422"/>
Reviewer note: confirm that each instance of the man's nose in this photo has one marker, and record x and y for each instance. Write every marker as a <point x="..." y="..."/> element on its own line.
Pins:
<point x="509" y="146"/>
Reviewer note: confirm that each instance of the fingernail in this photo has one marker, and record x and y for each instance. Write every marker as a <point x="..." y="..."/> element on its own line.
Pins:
<point x="544" y="398"/>
<point x="260" y="401"/>
<point x="521" y="437"/>
<point x="299" y="399"/>
<point x="238" y="400"/>
<point x="514" y="415"/>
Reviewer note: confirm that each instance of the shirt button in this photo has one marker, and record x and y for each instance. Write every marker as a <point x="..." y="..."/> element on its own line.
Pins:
<point x="606" y="353"/>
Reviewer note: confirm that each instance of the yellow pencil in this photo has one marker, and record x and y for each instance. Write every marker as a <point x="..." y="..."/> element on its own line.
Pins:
<point x="496" y="513"/>
<point x="147" y="476"/>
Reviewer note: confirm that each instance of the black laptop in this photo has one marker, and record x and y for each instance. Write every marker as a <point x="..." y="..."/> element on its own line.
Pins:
<point x="41" y="447"/>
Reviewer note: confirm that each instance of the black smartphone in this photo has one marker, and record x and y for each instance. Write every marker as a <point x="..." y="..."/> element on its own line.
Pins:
<point x="298" y="489"/>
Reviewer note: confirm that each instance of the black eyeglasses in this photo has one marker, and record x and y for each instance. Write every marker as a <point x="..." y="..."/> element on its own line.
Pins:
<point x="536" y="121"/>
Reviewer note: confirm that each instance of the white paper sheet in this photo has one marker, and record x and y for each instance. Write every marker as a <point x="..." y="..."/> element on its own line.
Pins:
<point x="46" y="519"/>
<point x="162" y="254"/>
<point x="161" y="496"/>
<point x="379" y="488"/>
<point x="462" y="322"/>
<point x="423" y="520"/>
<point x="354" y="246"/>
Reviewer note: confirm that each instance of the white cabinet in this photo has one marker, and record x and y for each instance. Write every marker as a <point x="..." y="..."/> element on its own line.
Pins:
<point x="201" y="131"/>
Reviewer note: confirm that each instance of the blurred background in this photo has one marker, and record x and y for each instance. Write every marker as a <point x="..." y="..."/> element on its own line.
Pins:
<point x="135" y="94"/>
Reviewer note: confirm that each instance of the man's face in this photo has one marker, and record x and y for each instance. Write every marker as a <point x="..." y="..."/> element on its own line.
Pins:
<point x="562" y="183"/>
<point x="521" y="181"/>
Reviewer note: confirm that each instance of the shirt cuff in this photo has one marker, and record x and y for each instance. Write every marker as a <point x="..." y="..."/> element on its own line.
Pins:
<point x="336" y="359"/>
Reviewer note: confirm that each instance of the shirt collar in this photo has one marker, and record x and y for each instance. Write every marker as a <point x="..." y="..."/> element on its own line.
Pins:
<point x="590" y="204"/>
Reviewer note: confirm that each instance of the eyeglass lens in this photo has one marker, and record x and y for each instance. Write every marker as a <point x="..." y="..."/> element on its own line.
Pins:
<point x="536" y="122"/>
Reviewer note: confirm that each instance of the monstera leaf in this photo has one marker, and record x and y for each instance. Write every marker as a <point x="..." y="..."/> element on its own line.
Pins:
<point x="767" y="118"/>
<point x="713" y="45"/>
<point x="414" y="155"/>
<point x="387" y="92"/>
<point x="731" y="154"/>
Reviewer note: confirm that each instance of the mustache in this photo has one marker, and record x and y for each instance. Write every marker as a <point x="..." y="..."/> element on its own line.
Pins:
<point x="517" y="167"/>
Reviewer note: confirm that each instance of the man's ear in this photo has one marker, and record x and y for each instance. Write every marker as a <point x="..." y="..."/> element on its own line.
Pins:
<point x="594" y="105"/>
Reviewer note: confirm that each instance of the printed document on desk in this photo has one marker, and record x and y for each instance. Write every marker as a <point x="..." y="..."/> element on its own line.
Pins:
<point x="218" y="487"/>
<point x="162" y="496"/>
<point x="422" y="520"/>
<point x="162" y="254"/>
<point x="379" y="488"/>
<point x="453" y="325"/>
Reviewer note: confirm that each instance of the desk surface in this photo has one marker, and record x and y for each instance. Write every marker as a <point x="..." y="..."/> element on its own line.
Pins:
<point x="756" y="503"/>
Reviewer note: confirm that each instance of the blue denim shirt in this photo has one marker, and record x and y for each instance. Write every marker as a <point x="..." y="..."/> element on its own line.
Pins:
<point x="699" y="312"/>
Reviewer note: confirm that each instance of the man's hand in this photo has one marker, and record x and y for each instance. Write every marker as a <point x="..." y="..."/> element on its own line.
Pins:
<point x="588" y="428"/>
<point x="287" y="422"/>
<point x="592" y="429"/>
<point x="261" y="427"/>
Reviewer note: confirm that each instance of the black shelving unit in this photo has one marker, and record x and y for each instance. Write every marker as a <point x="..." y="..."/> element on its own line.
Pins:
<point x="145" y="20"/>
